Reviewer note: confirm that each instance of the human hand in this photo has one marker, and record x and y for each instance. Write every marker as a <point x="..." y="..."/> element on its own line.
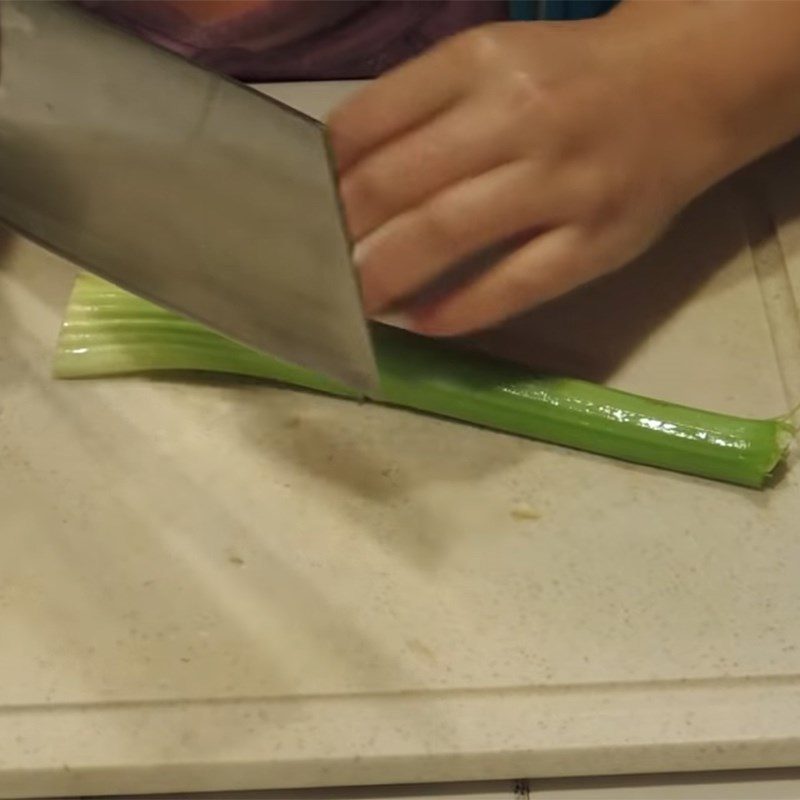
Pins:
<point x="563" y="138"/>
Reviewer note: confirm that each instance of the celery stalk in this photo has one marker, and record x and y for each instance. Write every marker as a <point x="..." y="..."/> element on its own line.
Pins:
<point x="108" y="331"/>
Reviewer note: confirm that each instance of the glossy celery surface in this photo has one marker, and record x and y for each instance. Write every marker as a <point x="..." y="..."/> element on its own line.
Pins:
<point x="108" y="331"/>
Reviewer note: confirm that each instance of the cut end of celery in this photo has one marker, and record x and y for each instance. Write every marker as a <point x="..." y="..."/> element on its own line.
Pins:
<point x="107" y="331"/>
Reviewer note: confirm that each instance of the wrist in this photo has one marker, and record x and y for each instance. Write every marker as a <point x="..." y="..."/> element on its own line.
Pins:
<point x="719" y="79"/>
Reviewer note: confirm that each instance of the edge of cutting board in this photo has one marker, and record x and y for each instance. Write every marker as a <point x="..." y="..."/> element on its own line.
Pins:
<point x="425" y="737"/>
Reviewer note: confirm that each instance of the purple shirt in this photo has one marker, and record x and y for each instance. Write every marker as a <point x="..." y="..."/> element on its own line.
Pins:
<point x="267" y="40"/>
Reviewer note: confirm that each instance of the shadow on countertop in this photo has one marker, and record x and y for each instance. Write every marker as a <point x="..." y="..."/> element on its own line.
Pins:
<point x="591" y="332"/>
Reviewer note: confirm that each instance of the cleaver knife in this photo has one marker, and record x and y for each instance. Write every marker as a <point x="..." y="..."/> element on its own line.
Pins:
<point x="180" y="185"/>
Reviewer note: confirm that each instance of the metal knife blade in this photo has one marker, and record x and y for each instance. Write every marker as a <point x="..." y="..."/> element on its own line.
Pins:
<point x="180" y="185"/>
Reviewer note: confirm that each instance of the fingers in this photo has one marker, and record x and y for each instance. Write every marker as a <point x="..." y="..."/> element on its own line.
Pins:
<point x="549" y="265"/>
<point x="460" y="143"/>
<point x="399" y="101"/>
<point x="413" y="249"/>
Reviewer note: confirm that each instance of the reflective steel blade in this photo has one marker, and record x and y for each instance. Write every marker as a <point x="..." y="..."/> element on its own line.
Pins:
<point x="180" y="185"/>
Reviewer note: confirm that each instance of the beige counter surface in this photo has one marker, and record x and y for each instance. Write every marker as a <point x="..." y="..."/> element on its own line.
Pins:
<point x="213" y="584"/>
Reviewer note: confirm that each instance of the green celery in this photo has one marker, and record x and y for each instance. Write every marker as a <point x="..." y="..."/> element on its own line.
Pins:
<point x="108" y="331"/>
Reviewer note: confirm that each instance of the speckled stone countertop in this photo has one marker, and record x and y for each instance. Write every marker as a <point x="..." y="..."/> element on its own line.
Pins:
<point x="211" y="585"/>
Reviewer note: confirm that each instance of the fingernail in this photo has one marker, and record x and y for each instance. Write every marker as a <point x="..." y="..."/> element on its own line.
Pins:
<point x="366" y="245"/>
<point x="359" y="253"/>
<point x="428" y="320"/>
<point x="396" y="319"/>
<point x="368" y="297"/>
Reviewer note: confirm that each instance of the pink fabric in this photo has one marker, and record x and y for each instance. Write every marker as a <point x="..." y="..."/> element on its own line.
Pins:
<point x="299" y="39"/>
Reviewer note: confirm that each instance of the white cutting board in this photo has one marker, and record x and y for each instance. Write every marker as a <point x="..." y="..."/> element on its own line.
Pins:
<point x="209" y="584"/>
